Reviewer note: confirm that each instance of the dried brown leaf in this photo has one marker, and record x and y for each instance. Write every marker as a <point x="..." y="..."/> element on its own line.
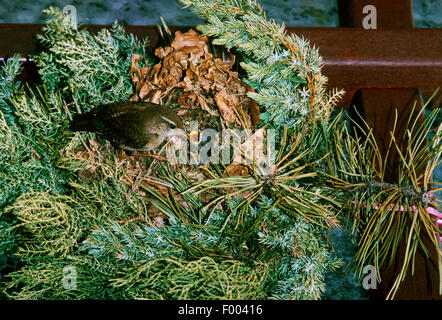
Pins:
<point x="197" y="80"/>
<point x="236" y="169"/>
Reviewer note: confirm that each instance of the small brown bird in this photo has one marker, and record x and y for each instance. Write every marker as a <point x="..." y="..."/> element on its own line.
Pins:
<point x="132" y="126"/>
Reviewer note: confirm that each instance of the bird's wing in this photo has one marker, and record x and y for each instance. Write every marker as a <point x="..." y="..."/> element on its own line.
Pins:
<point x="125" y="126"/>
<point x="117" y="109"/>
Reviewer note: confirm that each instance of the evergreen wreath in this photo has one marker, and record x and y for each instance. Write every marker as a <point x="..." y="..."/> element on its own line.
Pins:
<point x="154" y="230"/>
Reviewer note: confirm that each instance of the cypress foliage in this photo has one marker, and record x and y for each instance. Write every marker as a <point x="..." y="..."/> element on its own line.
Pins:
<point x="259" y="236"/>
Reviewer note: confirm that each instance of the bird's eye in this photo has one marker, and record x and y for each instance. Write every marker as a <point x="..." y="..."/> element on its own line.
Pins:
<point x="172" y="124"/>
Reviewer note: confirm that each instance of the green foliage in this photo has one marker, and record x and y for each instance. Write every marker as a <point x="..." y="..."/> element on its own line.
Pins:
<point x="7" y="74"/>
<point x="161" y="278"/>
<point x="249" y="230"/>
<point x="31" y="130"/>
<point x="283" y="69"/>
<point x="201" y="279"/>
<point x="386" y="215"/>
<point x="301" y="258"/>
<point x="43" y="279"/>
<point x="51" y="224"/>
<point x="94" y="68"/>
<point x="260" y="236"/>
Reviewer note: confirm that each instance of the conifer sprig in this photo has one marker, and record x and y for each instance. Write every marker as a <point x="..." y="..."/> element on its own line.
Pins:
<point x="93" y="67"/>
<point x="237" y="252"/>
<point x="283" y="69"/>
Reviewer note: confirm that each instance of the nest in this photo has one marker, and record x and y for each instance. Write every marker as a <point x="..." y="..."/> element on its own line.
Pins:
<point x="200" y="87"/>
<point x="204" y="86"/>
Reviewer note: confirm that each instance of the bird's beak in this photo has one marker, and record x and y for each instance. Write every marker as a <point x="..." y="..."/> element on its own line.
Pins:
<point x="193" y="136"/>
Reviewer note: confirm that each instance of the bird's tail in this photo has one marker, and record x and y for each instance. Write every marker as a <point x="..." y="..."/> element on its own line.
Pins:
<point x="83" y="122"/>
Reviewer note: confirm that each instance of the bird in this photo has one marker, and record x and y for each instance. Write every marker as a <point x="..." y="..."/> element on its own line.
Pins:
<point x="128" y="125"/>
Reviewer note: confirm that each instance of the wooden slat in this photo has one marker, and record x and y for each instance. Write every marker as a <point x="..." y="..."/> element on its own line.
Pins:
<point x="352" y="58"/>
<point x="395" y="63"/>
<point x="390" y="14"/>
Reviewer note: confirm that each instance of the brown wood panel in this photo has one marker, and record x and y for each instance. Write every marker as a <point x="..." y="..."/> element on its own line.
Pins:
<point x="390" y="13"/>
<point x="396" y="62"/>
<point x="353" y="58"/>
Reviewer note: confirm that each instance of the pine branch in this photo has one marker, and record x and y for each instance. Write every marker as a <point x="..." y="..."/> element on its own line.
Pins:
<point x="385" y="214"/>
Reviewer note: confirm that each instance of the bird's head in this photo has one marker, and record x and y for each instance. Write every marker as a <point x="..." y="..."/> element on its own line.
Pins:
<point x="169" y="123"/>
